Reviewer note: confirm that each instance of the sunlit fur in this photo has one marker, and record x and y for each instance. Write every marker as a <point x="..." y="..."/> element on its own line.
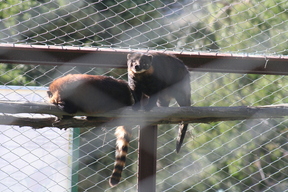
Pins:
<point x="89" y="93"/>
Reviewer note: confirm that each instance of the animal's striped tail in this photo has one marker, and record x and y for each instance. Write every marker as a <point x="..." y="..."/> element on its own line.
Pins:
<point x="181" y="134"/>
<point x="122" y="143"/>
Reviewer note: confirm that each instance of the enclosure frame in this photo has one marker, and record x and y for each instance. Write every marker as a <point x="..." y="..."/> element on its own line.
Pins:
<point x="116" y="58"/>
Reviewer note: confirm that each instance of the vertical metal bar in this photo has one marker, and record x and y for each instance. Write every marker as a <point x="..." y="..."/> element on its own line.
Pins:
<point x="147" y="158"/>
<point x="75" y="158"/>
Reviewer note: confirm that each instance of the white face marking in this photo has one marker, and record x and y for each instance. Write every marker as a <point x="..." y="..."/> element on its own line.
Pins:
<point x="141" y="71"/>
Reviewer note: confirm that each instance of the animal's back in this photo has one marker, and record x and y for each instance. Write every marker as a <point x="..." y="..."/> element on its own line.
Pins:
<point x="90" y="93"/>
<point x="169" y="68"/>
<point x="171" y="75"/>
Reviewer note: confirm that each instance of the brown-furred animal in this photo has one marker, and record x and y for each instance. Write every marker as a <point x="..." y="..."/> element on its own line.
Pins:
<point x="89" y="93"/>
<point x="158" y="77"/>
<point x="95" y="94"/>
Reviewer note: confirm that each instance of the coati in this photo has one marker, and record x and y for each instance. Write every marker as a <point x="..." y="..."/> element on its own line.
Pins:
<point x="158" y="77"/>
<point x="89" y="93"/>
<point x="95" y="94"/>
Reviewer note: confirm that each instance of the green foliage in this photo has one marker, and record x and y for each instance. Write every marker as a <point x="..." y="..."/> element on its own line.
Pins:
<point x="235" y="153"/>
<point x="14" y="75"/>
<point x="251" y="26"/>
<point x="229" y="156"/>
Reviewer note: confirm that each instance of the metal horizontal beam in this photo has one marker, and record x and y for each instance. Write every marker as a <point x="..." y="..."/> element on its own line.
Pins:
<point x="116" y="58"/>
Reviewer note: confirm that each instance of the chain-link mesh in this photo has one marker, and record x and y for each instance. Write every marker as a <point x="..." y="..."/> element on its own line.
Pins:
<point x="246" y="26"/>
<point x="229" y="156"/>
<point x="49" y="159"/>
<point x="248" y="155"/>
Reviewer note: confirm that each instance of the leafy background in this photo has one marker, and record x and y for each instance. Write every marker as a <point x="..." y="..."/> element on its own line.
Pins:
<point x="248" y="155"/>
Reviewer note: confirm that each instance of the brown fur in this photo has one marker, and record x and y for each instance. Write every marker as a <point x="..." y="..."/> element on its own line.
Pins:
<point x="159" y="77"/>
<point x="89" y="93"/>
<point x="95" y="94"/>
<point x="123" y="136"/>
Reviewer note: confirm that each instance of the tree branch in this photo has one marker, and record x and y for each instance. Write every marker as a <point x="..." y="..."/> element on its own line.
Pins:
<point x="126" y="116"/>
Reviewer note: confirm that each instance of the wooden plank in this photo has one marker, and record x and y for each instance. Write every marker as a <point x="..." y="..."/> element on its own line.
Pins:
<point x="159" y="115"/>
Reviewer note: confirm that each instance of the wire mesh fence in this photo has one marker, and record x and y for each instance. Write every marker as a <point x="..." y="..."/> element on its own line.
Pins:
<point x="247" y="26"/>
<point x="248" y="155"/>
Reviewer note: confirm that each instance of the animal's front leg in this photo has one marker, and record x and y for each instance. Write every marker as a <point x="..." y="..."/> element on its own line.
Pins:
<point x="137" y="95"/>
<point x="151" y="102"/>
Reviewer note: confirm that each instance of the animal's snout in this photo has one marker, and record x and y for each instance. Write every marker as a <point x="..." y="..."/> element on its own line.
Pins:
<point x="137" y="68"/>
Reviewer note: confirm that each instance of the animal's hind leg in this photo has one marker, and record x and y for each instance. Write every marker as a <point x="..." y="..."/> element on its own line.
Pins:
<point x="163" y="102"/>
<point x="183" y="97"/>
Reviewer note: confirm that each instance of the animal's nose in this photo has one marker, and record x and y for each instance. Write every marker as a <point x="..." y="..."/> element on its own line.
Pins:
<point x="137" y="67"/>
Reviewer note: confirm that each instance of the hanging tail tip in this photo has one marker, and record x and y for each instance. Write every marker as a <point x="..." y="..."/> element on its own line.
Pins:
<point x="181" y="134"/>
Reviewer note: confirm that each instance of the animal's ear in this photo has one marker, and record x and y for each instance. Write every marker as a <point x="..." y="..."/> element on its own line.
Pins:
<point x="49" y="94"/>
<point x="149" y="58"/>
<point x="129" y="55"/>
